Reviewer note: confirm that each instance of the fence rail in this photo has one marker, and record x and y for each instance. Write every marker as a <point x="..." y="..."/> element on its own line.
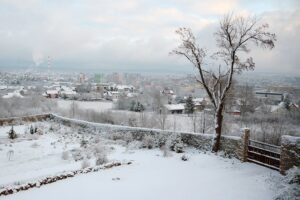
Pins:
<point x="264" y="154"/>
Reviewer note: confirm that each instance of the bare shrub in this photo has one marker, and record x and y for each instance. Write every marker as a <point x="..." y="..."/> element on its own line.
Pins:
<point x="132" y="121"/>
<point x="148" y="142"/>
<point x="83" y="143"/>
<point x="34" y="104"/>
<point x="99" y="148"/>
<point x="101" y="159"/>
<point x="85" y="164"/>
<point x="77" y="154"/>
<point x="128" y="138"/>
<point x="166" y="151"/>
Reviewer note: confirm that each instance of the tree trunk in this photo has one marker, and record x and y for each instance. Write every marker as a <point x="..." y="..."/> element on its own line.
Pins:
<point x="218" y="128"/>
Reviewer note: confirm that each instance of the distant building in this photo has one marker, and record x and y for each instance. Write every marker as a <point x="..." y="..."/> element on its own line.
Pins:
<point x="167" y="91"/>
<point x="111" y="95"/>
<point x="175" y="108"/>
<point x="51" y="94"/>
<point x="274" y="97"/>
<point x="199" y="104"/>
<point x="81" y="78"/>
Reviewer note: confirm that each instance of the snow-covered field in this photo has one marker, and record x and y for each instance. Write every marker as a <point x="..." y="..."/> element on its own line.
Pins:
<point x="151" y="176"/>
<point x="33" y="155"/>
<point x="98" y="106"/>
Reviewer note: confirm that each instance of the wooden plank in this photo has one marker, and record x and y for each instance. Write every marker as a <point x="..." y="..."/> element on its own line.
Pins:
<point x="263" y="164"/>
<point x="266" y="144"/>
<point x="254" y="147"/>
<point x="267" y="156"/>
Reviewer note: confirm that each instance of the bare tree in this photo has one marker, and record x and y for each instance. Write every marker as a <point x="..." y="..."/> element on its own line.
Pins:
<point x="162" y="118"/>
<point x="247" y="99"/>
<point x="233" y="39"/>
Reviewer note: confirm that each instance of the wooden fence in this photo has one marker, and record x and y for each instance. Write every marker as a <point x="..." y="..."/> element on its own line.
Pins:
<point x="264" y="154"/>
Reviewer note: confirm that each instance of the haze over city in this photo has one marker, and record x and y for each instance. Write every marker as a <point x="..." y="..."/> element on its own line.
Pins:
<point x="132" y="35"/>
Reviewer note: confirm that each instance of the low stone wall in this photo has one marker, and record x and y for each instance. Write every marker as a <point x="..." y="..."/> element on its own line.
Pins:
<point x="229" y="144"/>
<point x="290" y="153"/>
<point x="19" y="120"/>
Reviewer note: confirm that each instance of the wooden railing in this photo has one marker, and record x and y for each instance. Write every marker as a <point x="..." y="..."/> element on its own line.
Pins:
<point x="264" y="154"/>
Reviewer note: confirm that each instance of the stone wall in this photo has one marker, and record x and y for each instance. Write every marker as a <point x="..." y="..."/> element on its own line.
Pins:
<point x="229" y="144"/>
<point x="290" y="153"/>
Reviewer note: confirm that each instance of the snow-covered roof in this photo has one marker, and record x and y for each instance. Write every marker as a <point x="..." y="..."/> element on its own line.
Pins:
<point x="168" y="91"/>
<point x="123" y="87"/>
<point x="52" y="92"/>
<point x="175" y="106"/>
<point x="68" y="92"/>
<point x="198" y="99"/>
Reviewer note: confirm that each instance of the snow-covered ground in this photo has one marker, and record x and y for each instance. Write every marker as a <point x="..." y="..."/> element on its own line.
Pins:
<point x="33" y="155"/>
<point x="98" y="106"/>
<point x="151" y="176"/>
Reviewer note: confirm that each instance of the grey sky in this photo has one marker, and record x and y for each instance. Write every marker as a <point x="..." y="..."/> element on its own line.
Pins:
<point x="133" y="34"/>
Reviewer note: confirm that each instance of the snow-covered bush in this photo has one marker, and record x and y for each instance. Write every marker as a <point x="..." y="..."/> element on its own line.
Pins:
<point x="288" y="186"/>
<point x="65" y="155"/>
<point x="176" y="144"/>
<point x="39" y="131"/>
<point x="134" y="145"/>
<point x="148" y="142"/>
<point x="99" y="148"/>
<point x="166" y="151"/>
<point x="85" y="164"/>
<point x="128" y="138"/>
<point x="83" y="143"/>
<point x="100" y="154"/>
<point x="184" y="157"/>
<point x="97" y="139"/>
<point x="101" y="159"/>
<point x="77" y="154"/>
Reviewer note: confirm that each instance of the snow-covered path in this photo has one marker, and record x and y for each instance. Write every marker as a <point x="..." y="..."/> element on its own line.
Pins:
<point x="152" y="176"/>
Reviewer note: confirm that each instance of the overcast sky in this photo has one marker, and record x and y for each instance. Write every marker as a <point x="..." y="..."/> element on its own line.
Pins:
<point x="134" y="34"/>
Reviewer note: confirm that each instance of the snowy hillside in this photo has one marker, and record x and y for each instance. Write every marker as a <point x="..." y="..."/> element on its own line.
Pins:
<point x="154" y="173"/>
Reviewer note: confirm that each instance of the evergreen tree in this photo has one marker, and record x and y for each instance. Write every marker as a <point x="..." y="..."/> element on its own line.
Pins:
<point x="139" y="107"/>
<point x="31" y="130"/>
<point x="287" y="101"/>
<point x="12" y="134"/>
<point x="189" y="105"/>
